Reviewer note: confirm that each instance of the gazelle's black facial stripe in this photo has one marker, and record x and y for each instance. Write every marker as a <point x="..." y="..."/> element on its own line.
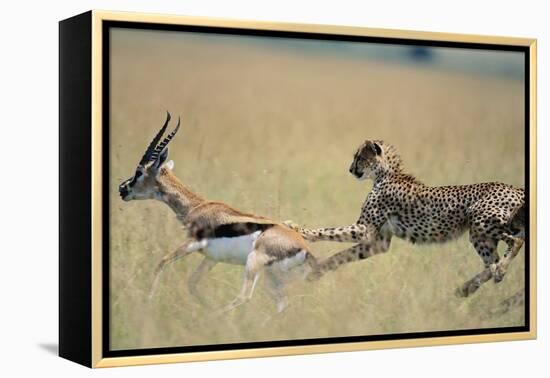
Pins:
<point x="133" y="180"/>
<point x="125" y="183"/>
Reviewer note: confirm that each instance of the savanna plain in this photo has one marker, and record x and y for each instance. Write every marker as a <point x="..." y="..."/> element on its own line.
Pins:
<point x="272" y="129"/>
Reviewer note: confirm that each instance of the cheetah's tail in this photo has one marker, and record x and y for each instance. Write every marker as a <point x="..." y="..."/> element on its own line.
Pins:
<point x="517" y="222"/>
<point x="516" y="300"/>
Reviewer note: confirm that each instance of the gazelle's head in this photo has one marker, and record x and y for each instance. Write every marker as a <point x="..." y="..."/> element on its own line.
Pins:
<point x="144" y="183"/>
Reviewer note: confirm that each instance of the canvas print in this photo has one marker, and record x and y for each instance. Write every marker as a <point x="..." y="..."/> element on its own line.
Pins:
<point x="269" y="188"/>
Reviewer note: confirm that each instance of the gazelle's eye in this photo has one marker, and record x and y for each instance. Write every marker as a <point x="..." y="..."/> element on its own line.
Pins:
<point x="138" y="174"/>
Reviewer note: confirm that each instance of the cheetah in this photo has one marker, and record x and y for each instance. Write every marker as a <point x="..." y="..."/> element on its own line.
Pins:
<point x="400" y="205"/>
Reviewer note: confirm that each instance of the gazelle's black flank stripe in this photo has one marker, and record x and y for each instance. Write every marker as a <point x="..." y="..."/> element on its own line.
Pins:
<point x="230" y="230"/>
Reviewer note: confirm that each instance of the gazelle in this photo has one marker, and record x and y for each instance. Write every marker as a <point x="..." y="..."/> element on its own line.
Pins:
<point x="218" y="231"/>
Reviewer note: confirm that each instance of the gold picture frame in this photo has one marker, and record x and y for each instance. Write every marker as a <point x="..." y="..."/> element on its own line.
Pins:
<point x="82" y="115"/>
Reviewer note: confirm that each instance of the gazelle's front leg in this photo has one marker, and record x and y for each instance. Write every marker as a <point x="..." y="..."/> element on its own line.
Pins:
<point x="357" y="252"/>
<point x="185" y="249"/>
<point x="204" y="267"/>
<point x="353" y="233"/>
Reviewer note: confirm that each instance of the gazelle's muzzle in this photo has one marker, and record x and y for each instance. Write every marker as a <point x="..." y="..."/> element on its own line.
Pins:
<point x="123" y="191"/>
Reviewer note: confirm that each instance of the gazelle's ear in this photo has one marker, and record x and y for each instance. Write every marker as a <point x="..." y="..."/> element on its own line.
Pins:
<point x="169" y="164"/>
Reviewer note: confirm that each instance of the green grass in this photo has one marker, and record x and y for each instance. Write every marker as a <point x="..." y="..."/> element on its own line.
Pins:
<point x="273" y="132"/>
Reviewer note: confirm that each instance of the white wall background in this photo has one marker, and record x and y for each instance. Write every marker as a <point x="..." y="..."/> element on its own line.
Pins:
<point x="28" y="208"/>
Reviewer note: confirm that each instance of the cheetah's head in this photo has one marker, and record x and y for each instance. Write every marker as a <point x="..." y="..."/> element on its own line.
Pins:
<point x="367" y="160"/>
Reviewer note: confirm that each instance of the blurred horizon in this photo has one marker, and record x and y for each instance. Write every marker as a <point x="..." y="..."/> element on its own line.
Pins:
<point x="501" y="63"/>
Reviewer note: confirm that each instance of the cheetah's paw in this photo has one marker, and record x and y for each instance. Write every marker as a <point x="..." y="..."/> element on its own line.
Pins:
<point x="314" y="276"/>
<point x="498" y="272"/>
<point x="292" y="225"/>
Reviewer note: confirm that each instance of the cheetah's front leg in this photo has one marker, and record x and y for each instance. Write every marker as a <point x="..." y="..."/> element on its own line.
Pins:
<point x="354" y="233"/>
<point x="357" y="252"/>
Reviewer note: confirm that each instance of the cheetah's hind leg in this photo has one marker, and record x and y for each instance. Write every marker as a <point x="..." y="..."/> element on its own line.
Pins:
<point x="471" y="286"/>
<point x="498" y="270"/>
<point x="487" y="250"/>
<point x="518" y="299"/>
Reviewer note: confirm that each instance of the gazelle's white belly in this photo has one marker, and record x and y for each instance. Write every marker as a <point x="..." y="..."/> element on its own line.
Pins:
<point x="234" y="250"/>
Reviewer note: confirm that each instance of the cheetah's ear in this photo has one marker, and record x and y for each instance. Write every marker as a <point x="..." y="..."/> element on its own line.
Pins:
<point x="377" y="148"/>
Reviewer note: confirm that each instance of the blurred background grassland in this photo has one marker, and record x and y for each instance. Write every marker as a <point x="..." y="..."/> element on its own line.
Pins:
<point x="270" y="126"/>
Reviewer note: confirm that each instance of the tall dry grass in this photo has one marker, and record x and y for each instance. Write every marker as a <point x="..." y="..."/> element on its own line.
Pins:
<point x="272" y="130"/>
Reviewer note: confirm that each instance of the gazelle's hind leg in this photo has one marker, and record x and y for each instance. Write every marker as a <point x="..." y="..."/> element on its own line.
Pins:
<point x="514" y="245"/>
<point x="487" y="250"/>
<point x="252" y="272"/>
<point x="275" y="287"/>
<point x="185" y="249"/>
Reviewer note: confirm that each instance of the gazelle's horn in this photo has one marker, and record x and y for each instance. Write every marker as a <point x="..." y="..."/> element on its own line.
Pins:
<point x="165" y="142"/>
<point x="151" y="149"/>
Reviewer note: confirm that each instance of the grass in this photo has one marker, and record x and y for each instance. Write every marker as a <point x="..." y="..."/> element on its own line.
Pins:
<point x="272" y="131"/>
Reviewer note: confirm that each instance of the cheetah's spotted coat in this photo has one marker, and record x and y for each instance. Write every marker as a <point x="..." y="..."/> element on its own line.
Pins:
<point x="400" y="205"/>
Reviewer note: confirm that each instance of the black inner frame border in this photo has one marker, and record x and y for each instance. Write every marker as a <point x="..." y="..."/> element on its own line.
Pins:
<point x="107" y="25"/>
